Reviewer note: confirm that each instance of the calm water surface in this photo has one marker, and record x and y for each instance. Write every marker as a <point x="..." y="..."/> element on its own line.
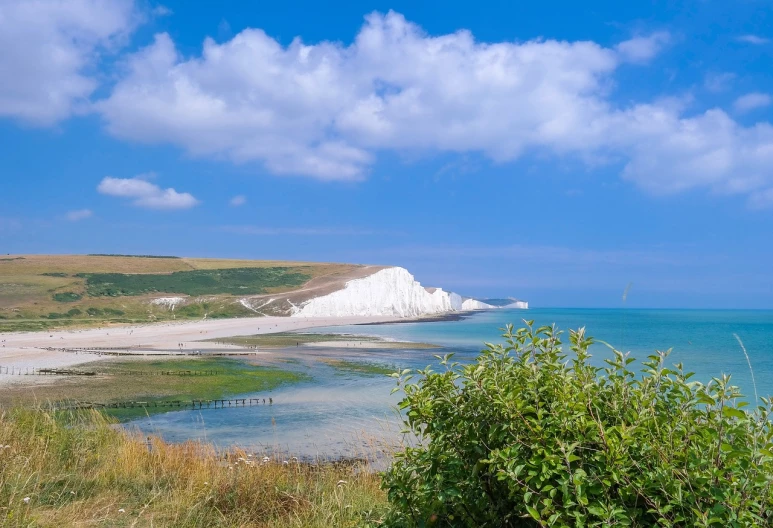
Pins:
<point x="336" y="413"/>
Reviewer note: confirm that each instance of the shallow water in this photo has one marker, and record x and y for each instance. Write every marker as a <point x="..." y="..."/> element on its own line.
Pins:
<point x="328" y="415"/>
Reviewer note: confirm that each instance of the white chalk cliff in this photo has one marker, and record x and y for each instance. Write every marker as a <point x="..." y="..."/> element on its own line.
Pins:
<point x="473" y="304"/>
<point x="388" y="292"/>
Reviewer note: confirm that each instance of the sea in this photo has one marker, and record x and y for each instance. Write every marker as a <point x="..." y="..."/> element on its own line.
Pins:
<point x="339" y="413"/>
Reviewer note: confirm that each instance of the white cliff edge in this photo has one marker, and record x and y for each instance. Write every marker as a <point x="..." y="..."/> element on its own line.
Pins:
<point x="388" y="292"/>
<point x="473" y="304"/>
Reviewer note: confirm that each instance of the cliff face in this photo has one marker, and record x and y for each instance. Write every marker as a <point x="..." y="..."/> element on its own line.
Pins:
<point x="388" y="292"/>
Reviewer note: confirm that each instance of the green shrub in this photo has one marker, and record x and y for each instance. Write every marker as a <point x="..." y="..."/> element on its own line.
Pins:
<point x="235" y="281"/>
<point x="73" y="312"/>
<point x="530" y="436"/>
<point x="94" y="311"/>
<point x="67" y="297"/>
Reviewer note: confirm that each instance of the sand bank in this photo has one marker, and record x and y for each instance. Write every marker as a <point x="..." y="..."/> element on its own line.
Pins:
<point x="380" y="344"/>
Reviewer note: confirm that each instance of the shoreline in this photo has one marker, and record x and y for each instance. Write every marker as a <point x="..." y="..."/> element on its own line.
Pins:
<point x="48" y="349"/>
<point x="450" y="316"/>
<point x="69" y="347"/>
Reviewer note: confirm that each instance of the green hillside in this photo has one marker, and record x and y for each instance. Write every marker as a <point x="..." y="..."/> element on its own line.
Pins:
<point x="38" y="292"/>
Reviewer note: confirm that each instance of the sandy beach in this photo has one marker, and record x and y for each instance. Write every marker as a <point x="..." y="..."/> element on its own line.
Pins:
<point x="56" y="349"/>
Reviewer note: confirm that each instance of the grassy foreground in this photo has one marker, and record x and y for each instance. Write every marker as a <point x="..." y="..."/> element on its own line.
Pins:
<point x="78" y="469"/>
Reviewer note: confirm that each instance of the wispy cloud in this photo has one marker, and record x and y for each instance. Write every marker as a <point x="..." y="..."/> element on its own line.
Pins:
<point x="161" y="11"/>
<point x="547" y="254"/>
<point x="238" y="200"/>
<point x="9" y="225"/>
<point x="300" y="231"/>
<point x="145" y="194"/>
<point x="751" y="101"/>
<point x="718" y="82"/>
<point x="643" y="48"/>
<point x="762" y="199"/>
<point x="80" y="214"/>
<point x="753" y="39"/>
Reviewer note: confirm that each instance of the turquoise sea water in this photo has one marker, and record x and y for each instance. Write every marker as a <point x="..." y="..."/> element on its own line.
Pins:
<point x="701" y="339"/>
<point x="327" y="415"/>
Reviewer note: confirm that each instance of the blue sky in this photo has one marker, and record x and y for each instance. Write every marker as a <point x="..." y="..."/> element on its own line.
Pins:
<point x="552" y="151"/>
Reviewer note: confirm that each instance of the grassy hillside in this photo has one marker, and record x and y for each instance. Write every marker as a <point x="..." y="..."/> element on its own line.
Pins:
<point x="44" y="291"/>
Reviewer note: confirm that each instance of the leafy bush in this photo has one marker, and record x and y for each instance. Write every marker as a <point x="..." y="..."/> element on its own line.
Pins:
<point x="236" y="281"/>
<point x="67" y="297"/>
<point x="73" y="312"/>
<point x="92" y="311"/>
<point x="530" y="436"/>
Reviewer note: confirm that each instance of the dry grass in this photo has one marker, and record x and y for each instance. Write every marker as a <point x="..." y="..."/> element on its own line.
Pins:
<point x="315" y="269"/>
<point x="79" y="470"/>
<point x="72" y="264"/>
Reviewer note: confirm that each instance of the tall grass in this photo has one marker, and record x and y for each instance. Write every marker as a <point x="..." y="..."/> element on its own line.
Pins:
<point x="79" y="469"/>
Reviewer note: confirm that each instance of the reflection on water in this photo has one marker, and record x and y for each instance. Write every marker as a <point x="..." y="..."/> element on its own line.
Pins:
<point x="338" y="413"/>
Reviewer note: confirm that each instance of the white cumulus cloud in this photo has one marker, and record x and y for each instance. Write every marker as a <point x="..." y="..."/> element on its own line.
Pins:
<point x="751" y="101"/>
<point x="80" y="214"/>
<point x="49" y="49"/>
<point x="145" y="194"/>
<point x="325" y="110"/>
